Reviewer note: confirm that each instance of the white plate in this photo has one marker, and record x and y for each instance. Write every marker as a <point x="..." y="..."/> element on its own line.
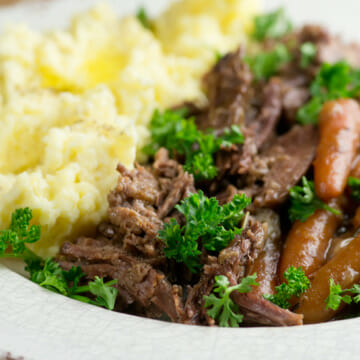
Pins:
<point x="40" y="325"/>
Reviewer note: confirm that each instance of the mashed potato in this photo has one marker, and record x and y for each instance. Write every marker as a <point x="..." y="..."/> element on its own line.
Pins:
<point x="74" y="103"/>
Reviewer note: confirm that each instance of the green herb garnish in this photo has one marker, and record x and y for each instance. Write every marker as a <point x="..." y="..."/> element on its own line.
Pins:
<point x="144" y="19"/>
<point x="266" y="64"/>
<point x="354" y="185"/>
<point x="338" y="295"/>
<point x="297" y="283"/>
<point x="180" y="135"/>
<point x="332" y="82"/>
<point x="46" y="272"/>
<point x="272" y="25"/>
<point x="218" y="56"/>
<point x="215" y="225"/>
<point x="304" y="202"/>
<point x="308" y="52"/>
<point x="223" y="309"/>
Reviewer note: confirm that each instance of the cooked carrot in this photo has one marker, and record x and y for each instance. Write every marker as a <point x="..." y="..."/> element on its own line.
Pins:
<point x="344" y="268"/>
<point x="355" y="168"/>
<point x="356" y="219"/>
<point x="339" y="136"/>
<point x="308" y="241"/>
<point x="338" y="244"/>
<point x="265" y="266"/>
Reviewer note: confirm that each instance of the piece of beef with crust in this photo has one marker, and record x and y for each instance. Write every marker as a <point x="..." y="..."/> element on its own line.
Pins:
<point x="258" y="131"/>
<point x="229" y="87"/>
<point x="235" y="99"/>
<point x="284" y="164"/>
<point x="280" y="167"/>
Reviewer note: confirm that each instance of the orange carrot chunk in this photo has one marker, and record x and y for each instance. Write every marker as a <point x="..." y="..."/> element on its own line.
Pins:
<point x="308" y="241"/>
<point x="339" y="137"/>
<point x="344" y="269"/>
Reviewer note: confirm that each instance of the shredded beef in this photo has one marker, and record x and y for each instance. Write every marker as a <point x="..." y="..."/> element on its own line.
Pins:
<point x="141" y="200"/>
<point x="243" y="249"/>
<point x="127" y="248"/>
<point x="137" y="281"/>
<point x="275" y="155"/>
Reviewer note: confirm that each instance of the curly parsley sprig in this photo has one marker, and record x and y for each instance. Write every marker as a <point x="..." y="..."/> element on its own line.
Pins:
<point x="143" y="18"/>
<point x="338" y="295"/>
<point x="266" y="64"/>
<point x="296" y="284"/>
<point x="308" y="52"/>
<point x="354" y="185"/>
<point x="180" y="135"/>
<point x="333" y="81"/>
<point x="222" y="307"/>
<point x="272" y="25"/>
<point x="207" y="221"/>
<point x="304" y="202"/>
<point x="46" y="272"/>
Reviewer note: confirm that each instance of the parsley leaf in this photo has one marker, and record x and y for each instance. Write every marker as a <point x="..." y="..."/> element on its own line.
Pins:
<point x="206" y="220"/>
<point x="50" y="276"/>
<point x="309" y="113"/>
<point x="73" y="276"/>
<point x="46" y="272"/>
<point x="180" y="246"/>
<point x="202" y="166"/>
<point x="297" y="283"/>
<point x="18" y="235"/>
<point x="304" y="202"/>
<point x="266" y="64"/>
<point x="354" y="184"/>
<point x="271" y="25"/>
<point x="231" y="136"/>
<point x="332" y="82"/>
<point x="336" y="296"/>
<point x="180" y="135"/>
<point x="356" y="290"/>
<point x="223" y="309"/>
<point x="143" y="17"/>
<point x="105" y="293"/>
<point x="308" y="52"/>
<point x="218" y="56"/>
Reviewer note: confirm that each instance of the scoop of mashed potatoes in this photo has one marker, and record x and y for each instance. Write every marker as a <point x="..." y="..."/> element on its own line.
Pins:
<point x="74" y="103"/>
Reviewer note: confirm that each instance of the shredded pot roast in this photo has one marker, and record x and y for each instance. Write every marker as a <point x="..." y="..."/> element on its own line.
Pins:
<point x="287" y="164"/>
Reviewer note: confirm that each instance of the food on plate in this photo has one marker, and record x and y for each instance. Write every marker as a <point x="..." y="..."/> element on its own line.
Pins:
<point x="74" y="103"/>
<point x="243" y="207"/>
